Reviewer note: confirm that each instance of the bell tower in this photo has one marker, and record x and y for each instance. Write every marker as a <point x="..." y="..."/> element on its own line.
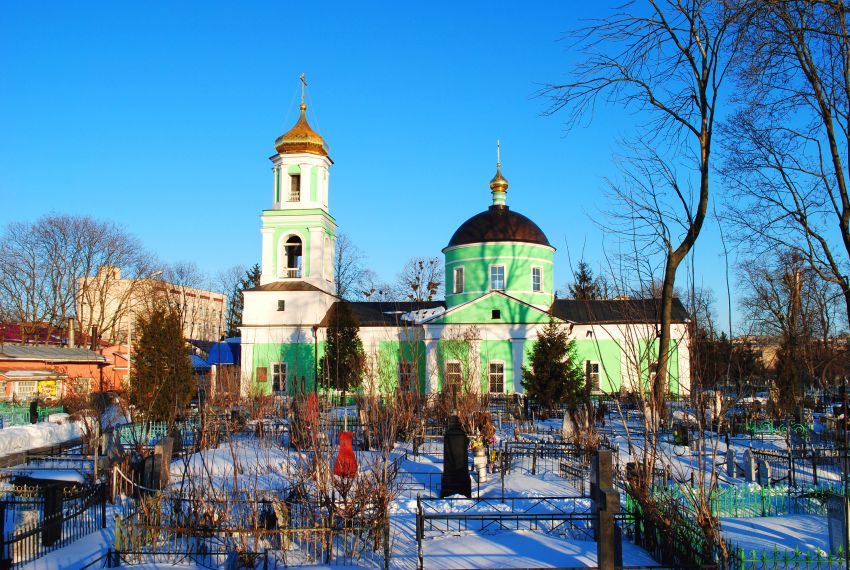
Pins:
<point x="299" y="232"/>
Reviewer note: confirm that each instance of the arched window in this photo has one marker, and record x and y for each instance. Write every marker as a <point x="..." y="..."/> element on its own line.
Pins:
<point x="292" y="252"/>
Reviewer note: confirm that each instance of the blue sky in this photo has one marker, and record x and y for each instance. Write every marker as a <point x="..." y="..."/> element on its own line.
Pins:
<point x="161" y="116"/>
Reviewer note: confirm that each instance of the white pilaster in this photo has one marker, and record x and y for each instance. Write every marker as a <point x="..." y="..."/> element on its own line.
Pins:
<point x="518" y="358"/>
<point x="431" y="367"/>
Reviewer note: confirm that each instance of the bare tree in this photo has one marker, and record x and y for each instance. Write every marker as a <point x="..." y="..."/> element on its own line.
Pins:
<point x="61" y="265"/>
<point x="180" y="288"/>
<point x="669" y="60"/>
<point x="229" y="282"/>
<point x="349" y="267"/>
<point x="420" y="280"/>
<point x="787" y="147"/>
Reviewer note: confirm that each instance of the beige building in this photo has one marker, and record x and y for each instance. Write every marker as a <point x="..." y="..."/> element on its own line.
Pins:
<point x="113" y="304"/>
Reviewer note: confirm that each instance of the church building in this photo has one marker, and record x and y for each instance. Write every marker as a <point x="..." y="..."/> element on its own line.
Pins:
<point x="500" y="293"/>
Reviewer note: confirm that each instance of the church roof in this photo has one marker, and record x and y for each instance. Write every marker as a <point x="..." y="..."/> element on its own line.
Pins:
<point x="498" y="223"/>
<point x="382" y="313"/>
<point x="614" y="311"/>
<point x="286" y="286"/>
<point x="301" y="138"/>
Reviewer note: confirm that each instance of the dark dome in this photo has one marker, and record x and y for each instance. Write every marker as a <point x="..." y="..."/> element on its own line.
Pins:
<point x="498" y="224"/>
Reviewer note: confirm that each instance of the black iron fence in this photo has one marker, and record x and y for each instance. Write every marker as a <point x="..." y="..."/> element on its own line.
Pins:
<point x="35" y="521"/>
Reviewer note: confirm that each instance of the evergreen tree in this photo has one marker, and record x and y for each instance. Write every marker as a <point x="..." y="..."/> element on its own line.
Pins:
<point x="237" y="300"/>
<point x="585" y="287"/>
<point x="556" y="375"/>
<point x="344" y="359"/>
<point x="162" y="383"/>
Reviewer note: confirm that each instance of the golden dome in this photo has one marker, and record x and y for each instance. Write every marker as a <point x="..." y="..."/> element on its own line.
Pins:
<point x="499" y="184"/>
<point x="301" y="138"/>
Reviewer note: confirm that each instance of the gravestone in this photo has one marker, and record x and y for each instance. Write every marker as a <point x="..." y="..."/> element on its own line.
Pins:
<point x="162" y="462"/>
<point x="764" y="473"/>
<point x="455" y="480"/>
<point x="749" y="466"/>
<point x="731" y="468"/>
<point x="606" y="505"/>
<point x="836" y="517"/>
<point x="567" y="430"/>
<point x="53" y="515"/>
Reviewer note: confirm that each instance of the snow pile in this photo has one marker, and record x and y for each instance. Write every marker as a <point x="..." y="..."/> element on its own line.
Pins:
<point x="21" y="438"/>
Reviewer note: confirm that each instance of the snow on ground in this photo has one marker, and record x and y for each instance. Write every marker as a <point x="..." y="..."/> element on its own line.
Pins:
<point x="518" y="549"/>
<point x="76" y="554"/>
<point x="20" y="438"/>
<point x="805" y="532"/>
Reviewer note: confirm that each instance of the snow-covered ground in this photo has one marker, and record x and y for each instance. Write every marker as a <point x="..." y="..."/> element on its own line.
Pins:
<point x="21" y="438"/>
<point x="804" y="532"/>
<point x="264" y="464"/>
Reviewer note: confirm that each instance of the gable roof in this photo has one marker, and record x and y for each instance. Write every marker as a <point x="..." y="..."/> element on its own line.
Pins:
<point x="382" y="313"/>
<point x="286" y="286"/>
<point x="615" y="310"/>
<point x="48" y="353"/>
<point x="515" y="311"/>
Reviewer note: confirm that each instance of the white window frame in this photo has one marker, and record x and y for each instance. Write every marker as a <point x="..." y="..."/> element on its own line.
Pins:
<point x="291" y="194"/>
<point x="457" y="285"/>
<point x="447" y="385"/>
<point x="275" y="370"/>
<point x="588" y="375"/>
<point x="490" y="279"/>
<point x="491" y="374"/>
<point x="539" y="288"/>
<point x="31" y="385"/>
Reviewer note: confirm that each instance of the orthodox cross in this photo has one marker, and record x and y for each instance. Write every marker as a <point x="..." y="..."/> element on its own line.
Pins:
<point x="303" y="86"/>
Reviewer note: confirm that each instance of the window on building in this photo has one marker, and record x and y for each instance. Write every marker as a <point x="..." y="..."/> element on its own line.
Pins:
<point x="82" y="386"/>
<point x="454" y="377"/>
<point x="458" y="284"/>
<point x="292" y="251"/>
<point x="496" y="377"/>
<point x="26" y="388"/>
<point x="281" y="305"/>
<point x="406" y="374"/>
<point x="591" y="374"/>
<point x="536" y="279"/>
<point x="294" y="188"/>
<point x="278" y="378"/>
<point x="496" y="314"/>
<point x="497" y="277"/>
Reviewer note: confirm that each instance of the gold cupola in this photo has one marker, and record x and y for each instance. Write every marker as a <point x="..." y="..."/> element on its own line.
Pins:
<point x="499" y="186"/>
<point x="301" y="138"/>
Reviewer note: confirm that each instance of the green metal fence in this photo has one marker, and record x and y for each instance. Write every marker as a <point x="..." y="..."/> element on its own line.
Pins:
<point x="774" y="559"/>
<point x="18" y="415"/>
<point x="754" y="501"/>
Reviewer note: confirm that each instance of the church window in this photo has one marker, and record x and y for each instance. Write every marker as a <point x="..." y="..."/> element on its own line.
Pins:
<point x="458" y="284"/>
<point x="537" y="279"/>
<point x="294" y="188"/>
<point x="497" y="277"/>
<point x="496" y="314"/>
<point x="591" y="374"/>
<point x="454" y="376"/>
<point x="496" y="377"/>
<point x="281" y="305"/>
<point x="292" y="252"/>
<point x="278" y="378"/>
<point x="405" y="374"/>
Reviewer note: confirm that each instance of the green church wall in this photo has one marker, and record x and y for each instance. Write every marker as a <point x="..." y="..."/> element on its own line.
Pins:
<point x="299" y="358"/>
<point x="518" y="259"/>
<point x="607" y="353"/>
<point x="481" y="312"/>
<point x="649" y="353"/>
<point x="496" y="351"/>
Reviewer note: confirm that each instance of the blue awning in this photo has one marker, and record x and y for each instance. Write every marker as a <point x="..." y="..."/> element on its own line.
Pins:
<point x="228" y="351"/>
<point x="199" y="364"/>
